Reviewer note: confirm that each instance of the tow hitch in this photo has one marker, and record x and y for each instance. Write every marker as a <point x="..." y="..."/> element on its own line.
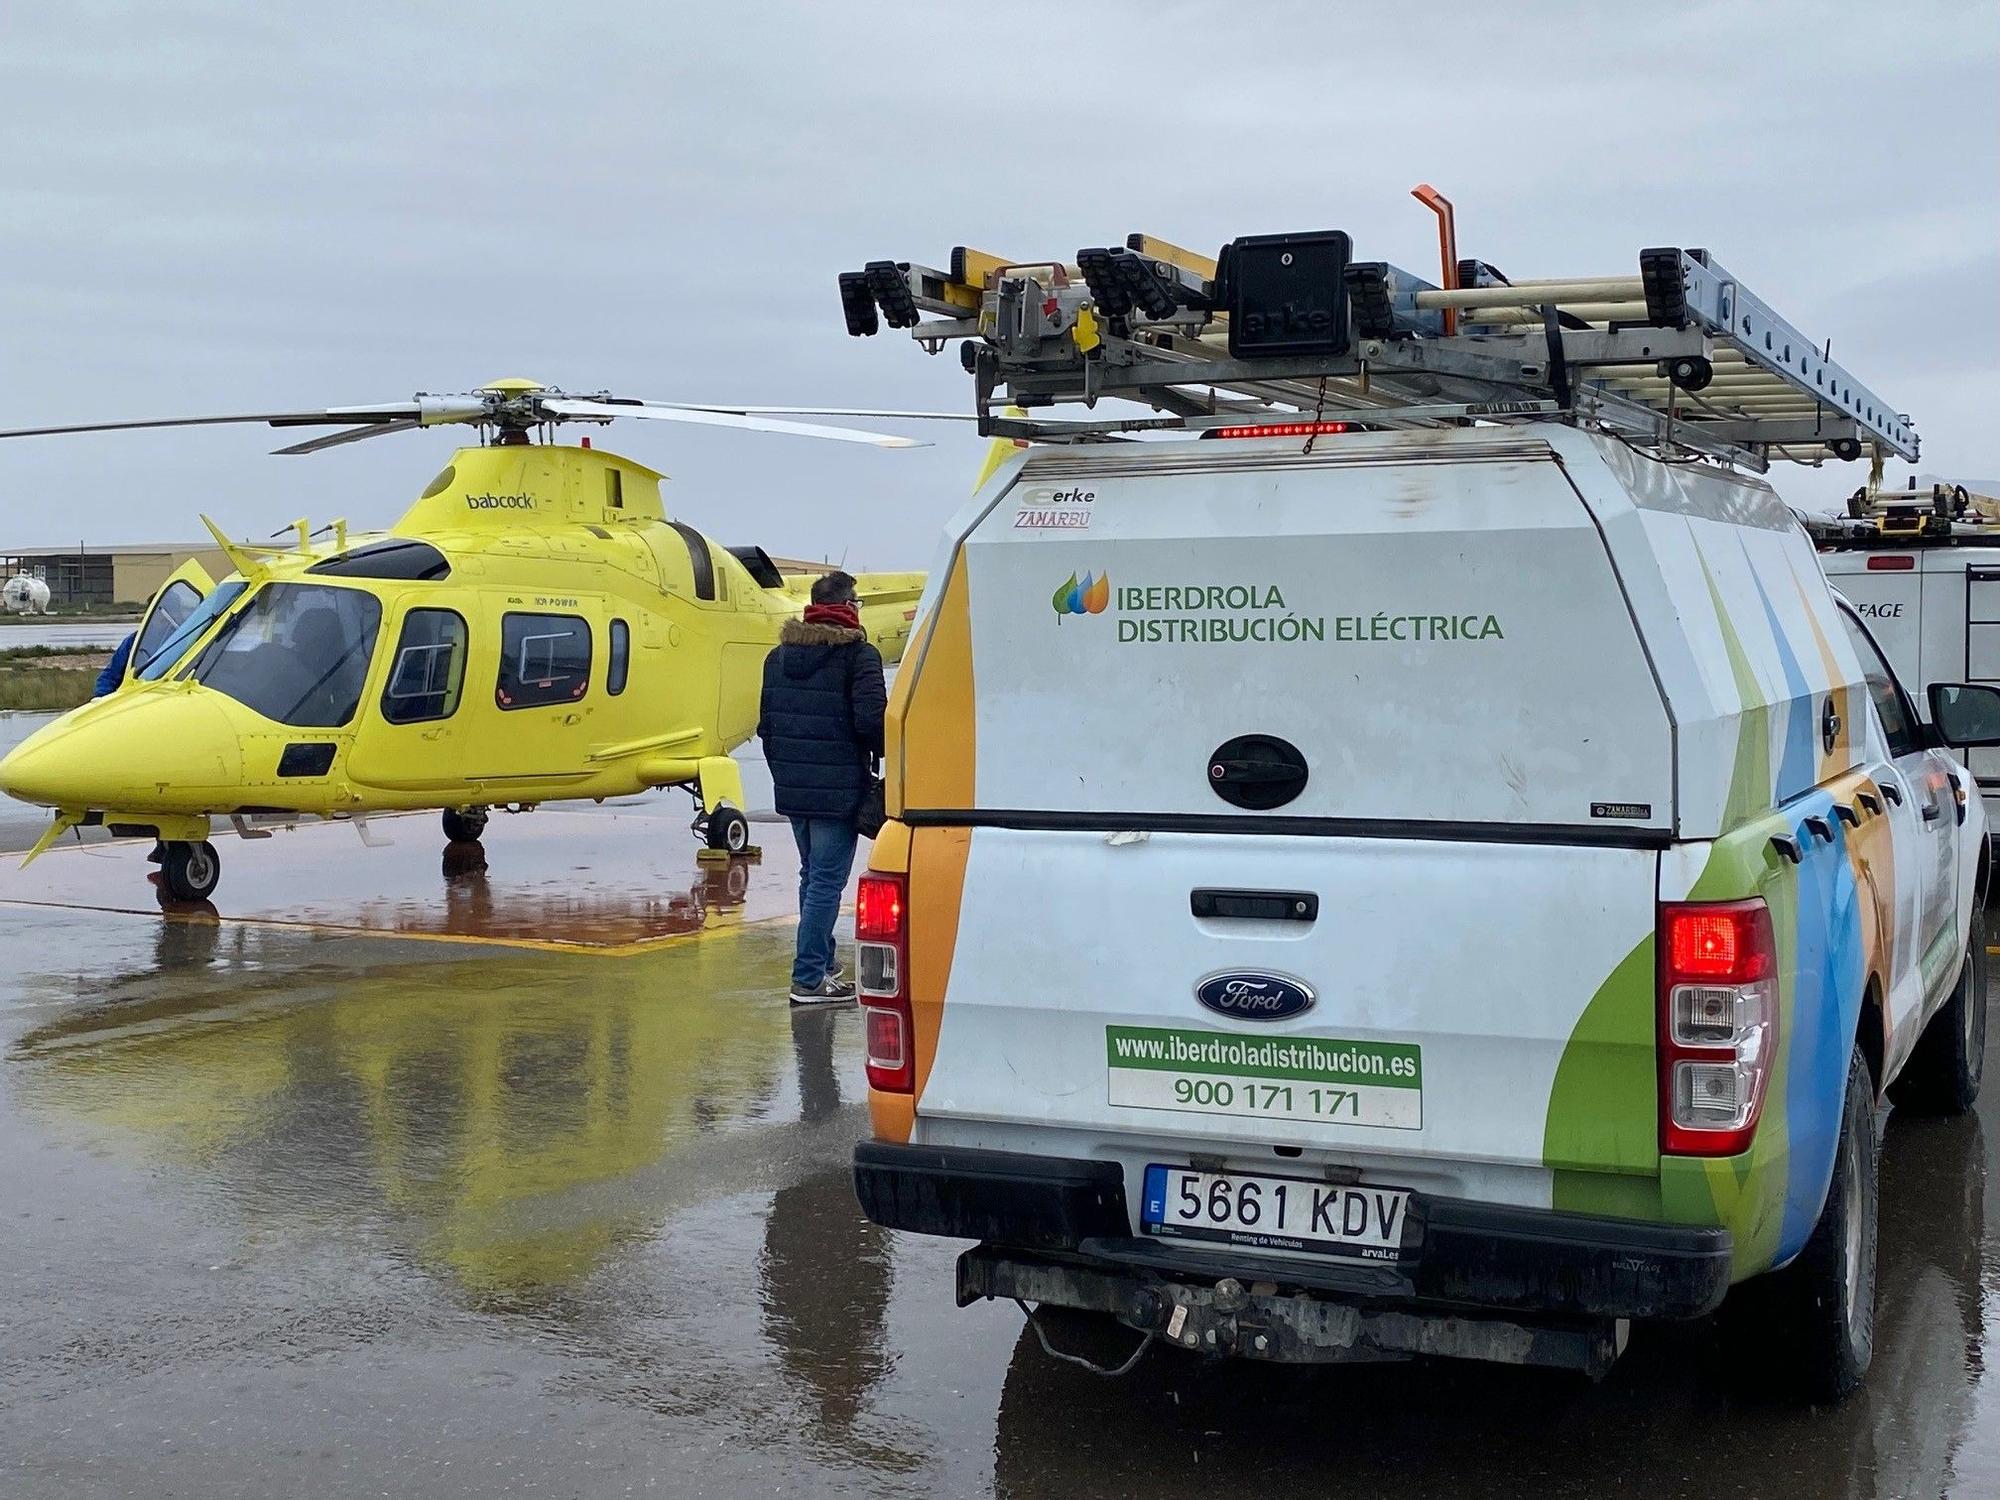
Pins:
<point x="1257" y="1321"/>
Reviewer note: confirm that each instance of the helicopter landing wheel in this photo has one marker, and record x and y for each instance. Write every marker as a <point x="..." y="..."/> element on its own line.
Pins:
<point x="727" y="829"/>
<point x="464" y="825"/>
<point x="191" y="871"/>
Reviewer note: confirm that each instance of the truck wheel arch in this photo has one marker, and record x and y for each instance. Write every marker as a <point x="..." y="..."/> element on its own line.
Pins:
<point x="1871" y="1032"/>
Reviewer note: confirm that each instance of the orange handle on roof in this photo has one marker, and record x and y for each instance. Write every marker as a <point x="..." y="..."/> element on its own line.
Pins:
<point x="1440" y="205"/>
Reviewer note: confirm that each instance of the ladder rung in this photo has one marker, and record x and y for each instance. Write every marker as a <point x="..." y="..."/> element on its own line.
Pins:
<point x="1590" y="312"/>
<point x="1613" y="288"/>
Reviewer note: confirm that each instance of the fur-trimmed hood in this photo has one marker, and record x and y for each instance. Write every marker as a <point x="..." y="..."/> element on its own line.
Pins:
<point x="799" y="633"/>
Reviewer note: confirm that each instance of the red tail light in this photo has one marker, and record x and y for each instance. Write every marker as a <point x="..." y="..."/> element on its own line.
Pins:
<point x="878" y="909"/>
<point x="1280" y="429"/>
<point x="1893" y="564"/>
<point x="882" y="950"/>
<point x="1718" y="1024"/>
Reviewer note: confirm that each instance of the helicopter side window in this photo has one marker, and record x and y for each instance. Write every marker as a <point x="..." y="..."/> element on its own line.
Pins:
<point x="297" y="653"/>
<point x="543" y="659"/>
<point x="621" y="658"/>
<point x="177" y="601"/>
<point x="429" y="672"/>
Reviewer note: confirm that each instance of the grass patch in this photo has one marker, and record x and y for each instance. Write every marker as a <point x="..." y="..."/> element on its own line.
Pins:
<point x="12" y="655"/>
<point x="43" y="689"/>
<point x="79" y="617"/>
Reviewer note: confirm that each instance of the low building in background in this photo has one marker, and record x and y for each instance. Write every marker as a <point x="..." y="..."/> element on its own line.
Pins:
<point x="86" y="577"/>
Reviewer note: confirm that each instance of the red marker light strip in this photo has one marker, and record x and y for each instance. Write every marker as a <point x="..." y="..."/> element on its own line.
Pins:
<point x="1282" y="429"/>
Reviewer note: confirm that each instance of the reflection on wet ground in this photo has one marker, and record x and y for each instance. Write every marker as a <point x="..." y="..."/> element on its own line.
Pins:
<point x="288" y="1211"/>
<point x="601" y="879"/>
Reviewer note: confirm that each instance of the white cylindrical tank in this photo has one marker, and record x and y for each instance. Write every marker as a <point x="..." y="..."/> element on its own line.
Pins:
<point x="24" y="595"/>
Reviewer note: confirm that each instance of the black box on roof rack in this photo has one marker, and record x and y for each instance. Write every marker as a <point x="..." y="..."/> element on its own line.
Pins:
<point x="1287" y="294"/>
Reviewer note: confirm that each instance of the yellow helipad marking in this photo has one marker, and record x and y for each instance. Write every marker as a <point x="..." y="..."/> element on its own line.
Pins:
<point x="389" y="934"/>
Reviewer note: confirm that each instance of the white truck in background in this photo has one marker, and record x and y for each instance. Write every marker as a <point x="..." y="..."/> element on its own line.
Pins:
<point x="1921" y="566"/>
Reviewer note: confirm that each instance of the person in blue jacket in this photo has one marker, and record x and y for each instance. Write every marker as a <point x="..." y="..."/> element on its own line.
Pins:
<point x="821" y="725"/>
<point x="114" y="670"/>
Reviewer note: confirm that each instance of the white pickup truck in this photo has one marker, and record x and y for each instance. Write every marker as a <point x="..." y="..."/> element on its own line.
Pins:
<point x="1426" y="892"/>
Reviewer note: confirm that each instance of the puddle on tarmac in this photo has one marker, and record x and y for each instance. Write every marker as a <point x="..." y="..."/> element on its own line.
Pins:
<point x="457" y="1218"/>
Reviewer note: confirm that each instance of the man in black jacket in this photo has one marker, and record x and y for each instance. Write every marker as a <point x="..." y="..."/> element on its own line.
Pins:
<point x="821" y="726"/>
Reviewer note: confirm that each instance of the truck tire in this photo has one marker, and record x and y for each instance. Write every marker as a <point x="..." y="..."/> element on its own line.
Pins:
<point x="1943" y="1074"/>
<point x="1810" y="1328"/>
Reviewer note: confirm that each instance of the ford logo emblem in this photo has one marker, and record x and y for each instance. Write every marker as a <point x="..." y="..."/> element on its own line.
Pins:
<point x="1252" y="995"/>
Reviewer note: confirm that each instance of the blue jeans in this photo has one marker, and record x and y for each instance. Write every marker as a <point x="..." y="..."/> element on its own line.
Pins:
<point x="826" y="857"/>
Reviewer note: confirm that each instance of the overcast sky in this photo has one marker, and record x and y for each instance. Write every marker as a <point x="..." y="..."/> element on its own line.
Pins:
<point x="238" y="207"/>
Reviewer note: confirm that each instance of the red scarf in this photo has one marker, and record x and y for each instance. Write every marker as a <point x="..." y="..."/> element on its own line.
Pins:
<point x="848" y="615"/>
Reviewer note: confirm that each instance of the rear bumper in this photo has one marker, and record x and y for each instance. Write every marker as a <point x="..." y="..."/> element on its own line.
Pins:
<point x="1458" y="1253"/>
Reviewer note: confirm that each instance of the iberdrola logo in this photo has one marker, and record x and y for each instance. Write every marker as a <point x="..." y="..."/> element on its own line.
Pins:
<point x="1086" y="598"/>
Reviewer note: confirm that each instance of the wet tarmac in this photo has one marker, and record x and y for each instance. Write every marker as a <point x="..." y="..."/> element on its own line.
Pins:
<point x="85" y="635"/>
<point x="324" y="1205"/>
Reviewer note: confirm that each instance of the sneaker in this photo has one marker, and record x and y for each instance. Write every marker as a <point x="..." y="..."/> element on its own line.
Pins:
<point x="829" y="991"/>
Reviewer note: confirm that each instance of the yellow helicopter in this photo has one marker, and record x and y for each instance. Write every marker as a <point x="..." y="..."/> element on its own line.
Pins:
<point x="535" y="628"/>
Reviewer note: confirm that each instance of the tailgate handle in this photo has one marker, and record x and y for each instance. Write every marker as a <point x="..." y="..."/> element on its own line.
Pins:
<point x="1255" y="906"/>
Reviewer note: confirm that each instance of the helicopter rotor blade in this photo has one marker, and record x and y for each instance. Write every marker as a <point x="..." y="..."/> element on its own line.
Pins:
<point x="330" y="416"/>
<point x="350" y="435"/>
<point x="273" y="419"/>
<point x="388" y="416"/>
<point x="821" y="411"/>
<point x="566" y="407"/>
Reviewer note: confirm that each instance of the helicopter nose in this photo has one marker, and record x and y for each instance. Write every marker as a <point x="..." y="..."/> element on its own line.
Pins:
<point x="33" y="772"/>
<point x="136" y="752"/>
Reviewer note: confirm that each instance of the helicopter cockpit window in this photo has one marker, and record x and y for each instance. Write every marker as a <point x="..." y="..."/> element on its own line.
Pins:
<point x="429" y="670"/>
<point x="543" y="659"/>
<point x="177" y="601"/>
<point x="297" y="653"/>
<point x="395" y="558"/>
<point x="166" y="656"/>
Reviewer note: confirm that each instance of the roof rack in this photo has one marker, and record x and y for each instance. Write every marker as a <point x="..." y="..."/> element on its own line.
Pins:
<point x="1678" y="354"/>
<point x="1939" y="515"/>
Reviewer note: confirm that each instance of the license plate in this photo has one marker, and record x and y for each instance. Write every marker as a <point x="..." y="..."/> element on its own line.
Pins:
<point x="1275" y="1213"/>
